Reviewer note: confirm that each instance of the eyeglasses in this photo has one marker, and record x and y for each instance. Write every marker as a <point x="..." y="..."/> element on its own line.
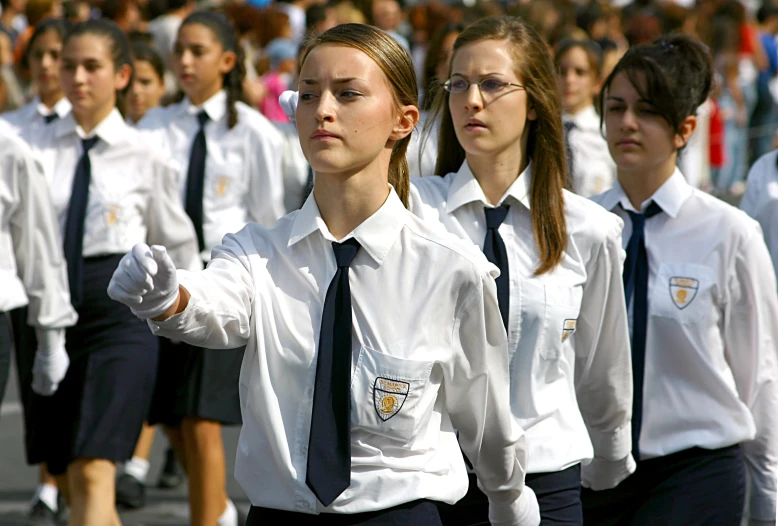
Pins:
<point x="490" y="86"/>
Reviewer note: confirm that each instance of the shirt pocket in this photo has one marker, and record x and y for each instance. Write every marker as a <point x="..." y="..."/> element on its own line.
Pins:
<point x="563" y="305"/>
<point x="224" y="183"/>
<point x="683" y="292"/>
<point x="387" y="394"/>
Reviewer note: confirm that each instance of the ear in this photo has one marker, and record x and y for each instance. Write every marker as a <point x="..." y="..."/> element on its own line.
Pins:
<point x="408" y="117"/>
<point x="687" y="128"/>
<point x="227" y="62"/>
<point x="532" y="115"/>
<point x="122" y="77"/>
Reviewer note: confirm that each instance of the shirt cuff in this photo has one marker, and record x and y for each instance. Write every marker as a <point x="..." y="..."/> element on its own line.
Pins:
<point x="524" y="511"/>
<point x="612" y="445"/>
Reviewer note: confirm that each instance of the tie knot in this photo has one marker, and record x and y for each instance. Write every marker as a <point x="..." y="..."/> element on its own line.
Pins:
<point x="202" y="118"/>
<point x="638" y="220"/>
<point x="496" y="216"/>
<point x="48" y="119"/>
<point x="569" y="125"/>
<point x="345" y="252"/>
<point x="89" y="143"/>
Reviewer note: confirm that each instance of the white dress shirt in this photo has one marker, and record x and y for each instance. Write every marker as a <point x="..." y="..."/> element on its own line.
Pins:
<point x="593" y="168"/>
<point x="243" y="166"/>
<point x="570" y="366"/>
<point x="422" y="153"/>
<point x="30" y="119"/>
<point x="761" y="200"/>
<point x="436" y="329"/>
<point x="32" y="267"/>
<point x="133" y="192"/>
<point x="711" y="378"/>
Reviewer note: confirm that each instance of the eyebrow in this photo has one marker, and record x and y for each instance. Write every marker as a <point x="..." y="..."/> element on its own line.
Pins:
<point x="314" y="82"/>
<point x="639" y="101"/>
<point x="481" y="75"/>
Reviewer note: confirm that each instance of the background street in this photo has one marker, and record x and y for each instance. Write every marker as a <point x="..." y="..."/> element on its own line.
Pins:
<point x="18" y="480"/>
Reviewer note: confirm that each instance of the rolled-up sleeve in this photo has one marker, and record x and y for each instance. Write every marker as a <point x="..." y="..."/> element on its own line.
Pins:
<point x="219" y="311"/>
<point x="477" y="398"/>
<point x="603" y="369"/>
<point x="751" y="347"/>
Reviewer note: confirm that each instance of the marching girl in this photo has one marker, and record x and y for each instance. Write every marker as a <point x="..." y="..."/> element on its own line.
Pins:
<point x="591" y="167"/>
<point x="560" y="261"/>
<point x="110" y="189"/>
<point x="43" y="57"/>
<point x="702" y="298"/>
<point x="148" y="83"/>
<point x="230" y="158"/>
<point x="366" y="436"/>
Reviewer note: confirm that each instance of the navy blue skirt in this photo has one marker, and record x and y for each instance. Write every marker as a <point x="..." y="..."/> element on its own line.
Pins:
<point x="100" y="406"/>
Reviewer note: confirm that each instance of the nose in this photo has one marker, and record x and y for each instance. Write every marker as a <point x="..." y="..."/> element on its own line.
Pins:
<point x="186" y="57"/>
<point x="475" y="99"/>
<point x="569" y="76"/>
<point x="79" y="75"/>
<point x="46" y="60"/>
<point x="628" y="120"/>
<point x="325" y="108"/>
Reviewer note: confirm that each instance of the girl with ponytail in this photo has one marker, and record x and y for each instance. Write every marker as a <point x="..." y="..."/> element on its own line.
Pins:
<point x="370" y="336"/>
<point x="229" y="158"/>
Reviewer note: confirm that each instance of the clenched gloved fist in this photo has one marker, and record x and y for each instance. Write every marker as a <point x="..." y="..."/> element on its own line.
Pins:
<point x="145" y="281"/>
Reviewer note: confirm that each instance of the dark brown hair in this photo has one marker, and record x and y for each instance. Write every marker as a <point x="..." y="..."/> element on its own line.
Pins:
<point x="397" y="66"/>
<point x="545" y="145"/>
<point x="674" y="73"/>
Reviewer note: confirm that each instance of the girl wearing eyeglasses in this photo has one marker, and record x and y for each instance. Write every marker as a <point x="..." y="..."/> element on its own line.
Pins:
<point x="560" y="289"/>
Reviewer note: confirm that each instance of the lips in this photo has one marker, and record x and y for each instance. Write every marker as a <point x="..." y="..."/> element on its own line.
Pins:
<point x="627" y="143"/>
<point x="474" y="124"/>
<point x="322" y="134"/>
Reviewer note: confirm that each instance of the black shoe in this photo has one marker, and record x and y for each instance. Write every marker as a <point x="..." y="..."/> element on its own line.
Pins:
<point x="41" y="515"/>
<point x="130" y="492"/>
<point x="172" y="475"/>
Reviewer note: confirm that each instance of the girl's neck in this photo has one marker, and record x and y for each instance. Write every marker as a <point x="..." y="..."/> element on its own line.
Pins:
<point x="347" y="200"/>
<point x="50" y="99"/>
<point x="496" y="173"/>
<point x="199" y="98"/>
<point x="89" y="122"/>
<point x="640" y="185"/>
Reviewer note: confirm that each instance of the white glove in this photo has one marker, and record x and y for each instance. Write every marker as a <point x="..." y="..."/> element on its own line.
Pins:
<point x="51" y="361"/>
<point x="288" y="102"/>
<point x="602" y="474"/>
<point x="145" y="281"/>
<point x="528" y="514"/>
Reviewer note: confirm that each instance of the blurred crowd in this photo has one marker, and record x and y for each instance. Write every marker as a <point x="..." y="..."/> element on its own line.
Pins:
<point x="739" y="122"/>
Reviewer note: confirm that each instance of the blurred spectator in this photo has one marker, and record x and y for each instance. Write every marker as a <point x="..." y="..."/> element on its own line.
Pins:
<point x="763" y="119"/>
<point x="76" y="10"/>
<point x="296" y="9"/>
<point x="319" y="18"/>
<point x="148" y="82"/>
<point x="388" y="15"/>
<point x="346" y="12"/>
<point x="164" y="27"/>
<point x="35" y="11"/>
<point x="10" y="10"/>
<point x="282" y="53"/>
<point x="124" y="12"/>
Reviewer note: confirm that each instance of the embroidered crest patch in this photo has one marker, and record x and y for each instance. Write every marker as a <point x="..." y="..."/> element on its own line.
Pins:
<point x="389" y="397"/>
<point x="221" y="185"/>
<point x="111" y="215"/>
<point x="568" y="328"/>
<point x="683" y="291"/>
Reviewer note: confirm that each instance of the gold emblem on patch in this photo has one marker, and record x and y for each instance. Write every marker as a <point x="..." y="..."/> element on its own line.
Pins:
<point x="111" y="215"/>
<point x="389" y="397"/>
<point x="568" y="328"/>
<point x="221" y="185"/>
<point x="683" y="291"/>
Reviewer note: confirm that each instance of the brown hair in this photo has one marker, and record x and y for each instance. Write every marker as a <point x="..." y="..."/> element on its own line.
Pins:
<point x="590" y="48"/>
<point x="545" y="145"/>
<point x="397" y="66"/>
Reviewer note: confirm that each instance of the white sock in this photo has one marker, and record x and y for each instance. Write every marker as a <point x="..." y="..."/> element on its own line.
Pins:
<point x="138" y="468"/>
<point x="229" y="517"/>
<point x="47" y="494"/>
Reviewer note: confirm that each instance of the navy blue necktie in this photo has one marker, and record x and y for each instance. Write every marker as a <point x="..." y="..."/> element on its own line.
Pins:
<point x="636" y="284"/>
<point x="195" y="180"/>
<point x="329" y="444"/>
<point x="494" y="250"/>
<point x="48" y="119"/>
<point x="569" y="126"/>
<point x="74" y="226"/>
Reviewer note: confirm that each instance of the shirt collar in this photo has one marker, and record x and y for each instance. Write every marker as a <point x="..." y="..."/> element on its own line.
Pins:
<point x="111" y="129"/>
<point x="376" y="234"/>
<point x="585" y="119"/>
<point x="215" y="107"/>
<point x="61" y="107"/>
<point x="670" y="196"/>
<point x="465" y="189"/>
